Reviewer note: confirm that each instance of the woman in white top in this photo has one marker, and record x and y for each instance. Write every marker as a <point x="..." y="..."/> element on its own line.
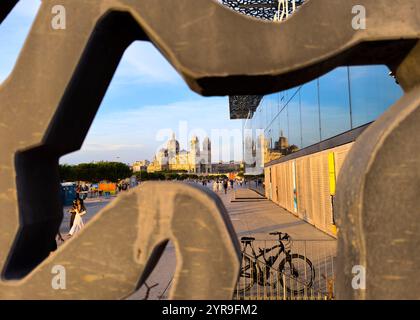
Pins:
<point x="215" y="186"/>
<point x="80" y="211"/>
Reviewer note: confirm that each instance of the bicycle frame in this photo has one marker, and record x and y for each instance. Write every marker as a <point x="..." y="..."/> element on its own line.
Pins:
<point x="261" y="270"/>
<point x="263" y="252"/>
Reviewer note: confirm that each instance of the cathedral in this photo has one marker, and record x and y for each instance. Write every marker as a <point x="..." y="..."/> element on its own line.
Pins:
<point x="173" y="159"/>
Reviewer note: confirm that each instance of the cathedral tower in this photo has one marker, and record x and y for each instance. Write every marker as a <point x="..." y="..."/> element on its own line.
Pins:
<point x="206" y="155"/>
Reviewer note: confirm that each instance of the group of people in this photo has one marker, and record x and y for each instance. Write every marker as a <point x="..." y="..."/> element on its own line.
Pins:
<point x="82" y="191"/>
<point x="223" y="184"/>
<point x="123" y="186"/>
<point x="77" y="211"/>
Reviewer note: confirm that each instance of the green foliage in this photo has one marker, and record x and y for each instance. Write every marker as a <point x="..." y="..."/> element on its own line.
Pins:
<point x="143" y="175"/>
<point x="95" y="172"/>
<point x="171" y="175"/>
<point x="254" y="177"/>
<point x="166" y="175"/>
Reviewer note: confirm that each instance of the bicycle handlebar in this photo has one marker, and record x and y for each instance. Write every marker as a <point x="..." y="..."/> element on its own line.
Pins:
<point x="280" y="234"/>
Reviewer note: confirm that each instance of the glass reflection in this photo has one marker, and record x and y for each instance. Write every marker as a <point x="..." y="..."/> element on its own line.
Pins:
<point x="372" y="92"/>
<point x="339" y="101"/>
<point x="310" y="114"/>
<point x="334" y="103"/>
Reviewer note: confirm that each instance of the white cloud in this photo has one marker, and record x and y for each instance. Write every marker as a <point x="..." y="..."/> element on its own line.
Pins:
<point x="143" y="63"/>
<point x="111" y="147"/>
<point x="138" y="134"/>
<point x="128" y="134"/>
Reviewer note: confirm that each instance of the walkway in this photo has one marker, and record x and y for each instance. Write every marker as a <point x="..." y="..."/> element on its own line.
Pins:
<point x="253" y="215"/>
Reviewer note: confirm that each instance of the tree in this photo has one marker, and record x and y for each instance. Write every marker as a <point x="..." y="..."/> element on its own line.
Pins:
<point x="66" y="172"/>
<point x="142" y="175"/>
<point x="95" y="172"/>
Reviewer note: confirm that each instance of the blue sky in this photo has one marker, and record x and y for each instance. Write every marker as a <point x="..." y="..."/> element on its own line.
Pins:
<point x="145" y="102"/>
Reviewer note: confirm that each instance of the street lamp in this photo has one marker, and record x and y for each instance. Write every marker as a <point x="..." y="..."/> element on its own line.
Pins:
<point x="116" y="169"/>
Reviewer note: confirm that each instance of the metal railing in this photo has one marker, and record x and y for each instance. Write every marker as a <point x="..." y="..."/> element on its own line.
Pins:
<point x="312" y="277"/>
<point x="265" y="282"/>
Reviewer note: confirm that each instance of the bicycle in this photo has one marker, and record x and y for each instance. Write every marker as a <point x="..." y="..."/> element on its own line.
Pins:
<point x="289" y="268"/>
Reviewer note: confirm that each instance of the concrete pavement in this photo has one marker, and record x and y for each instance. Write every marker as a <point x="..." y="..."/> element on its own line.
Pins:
<point x="255" y="217"/>
<point x="251" y="215"/>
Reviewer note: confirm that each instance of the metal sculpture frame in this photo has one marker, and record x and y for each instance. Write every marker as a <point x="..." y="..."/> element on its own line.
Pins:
<point x="61" y="73"/>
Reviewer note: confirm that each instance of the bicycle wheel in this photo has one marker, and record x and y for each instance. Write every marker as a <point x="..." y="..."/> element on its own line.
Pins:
<point x="247" y="276"/>
<point x="299" y="274"/>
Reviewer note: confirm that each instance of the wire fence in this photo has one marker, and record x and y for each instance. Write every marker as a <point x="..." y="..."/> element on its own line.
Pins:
<point x="306" y="273"/>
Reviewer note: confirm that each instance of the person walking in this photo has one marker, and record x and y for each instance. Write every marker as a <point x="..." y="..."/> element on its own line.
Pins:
<point x="225" y="185"/>
<point x="72" y="212"/>
<point x="77" y="191"/>
<point x="80" y="211"/>
<point x="215" y="186"/>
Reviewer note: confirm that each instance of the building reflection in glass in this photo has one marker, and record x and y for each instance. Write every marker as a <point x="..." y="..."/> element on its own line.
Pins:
<point x="342" y="100"/>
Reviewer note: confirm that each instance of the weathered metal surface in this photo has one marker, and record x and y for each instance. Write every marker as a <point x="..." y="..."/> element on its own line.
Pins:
<point x="378" y="202"/>
<point x="116" y="251"/>
<point x="215" y="49"/>
<point x="63" y="74"/>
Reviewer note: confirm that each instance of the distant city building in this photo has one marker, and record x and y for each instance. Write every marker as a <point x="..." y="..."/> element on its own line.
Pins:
<point x="139" y="166"/>
<point x="281" y="148"/>
<point x="196" y="160"/>
<point x="300" y="138"/>
<point x="226" y="167"/>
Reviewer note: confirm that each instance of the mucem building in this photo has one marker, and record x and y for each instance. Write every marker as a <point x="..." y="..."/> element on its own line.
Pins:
<point x="298" y="138"/>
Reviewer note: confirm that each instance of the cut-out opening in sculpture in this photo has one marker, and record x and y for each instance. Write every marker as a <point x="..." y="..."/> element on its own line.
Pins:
<point x="157" y="279"/>
<point x="37" y="168"/>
